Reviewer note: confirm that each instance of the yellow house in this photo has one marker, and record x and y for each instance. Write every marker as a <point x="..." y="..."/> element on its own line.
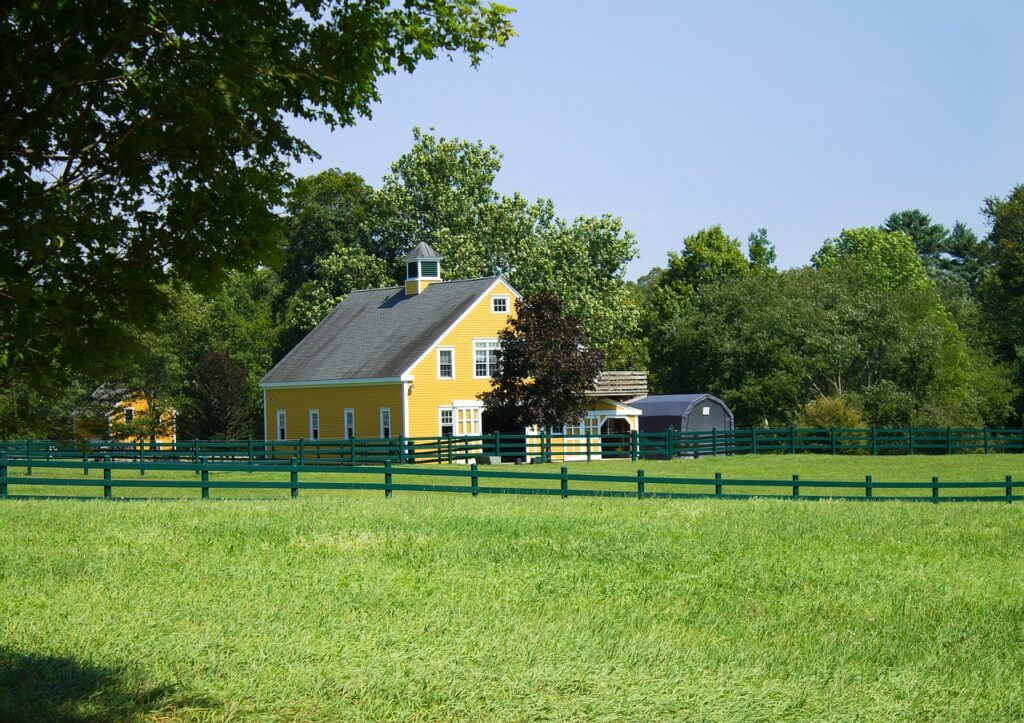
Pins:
<point x="407" y="360"/>
<point x="122" y="408"/>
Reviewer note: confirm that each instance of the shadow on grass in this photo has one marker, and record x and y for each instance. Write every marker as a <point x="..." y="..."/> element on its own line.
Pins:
<point x="51" y="688"/>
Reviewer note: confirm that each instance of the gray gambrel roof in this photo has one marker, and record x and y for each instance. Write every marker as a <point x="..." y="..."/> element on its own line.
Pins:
<point x="377" y="333"/>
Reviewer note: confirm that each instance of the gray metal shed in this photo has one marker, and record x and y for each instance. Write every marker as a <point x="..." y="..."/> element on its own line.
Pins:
<point x="683" y="412"/>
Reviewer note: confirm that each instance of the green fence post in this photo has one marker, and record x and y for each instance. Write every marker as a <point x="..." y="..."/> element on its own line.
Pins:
<point x="588" y="446"/>
<point x="28" y="457"/>
<point x="984" y="437"/>
<point x="195" y="454"/>
<point x="3" y="474"/>
<point x="832" y="439"/>
<point x="714" y="441"/>
<point x="949" y="440"/>
<point x="474" y="481"/>
<point x="565" y="481"/>
<point x="107" y="487"/>
<point x="249" y="449"/>
<point x="294" y="479"/>
<point x="792" y="439"/>
<point x="142" y="459"/>
<point x="670" y="443"/>
<point x="796" y="485"/>
<point x="1009" y="488"/>
<point x="387" y="478"/>
<point x="352" y="450"/>
<point x="640" y="484"/>
<point x="718" y="484"/>
<point x="935" y="489"/>
<point x="874" y="441"/>
<point x="302" y="450"/>
<point x="753" y="440"/>
<point x="497" y="443"/>
<point x="205" y="478"/>
<point x="451" y="456"/>
<point x="634" y="445"/>
<point x="912" y="440"/>
<point x="867" y="485"/>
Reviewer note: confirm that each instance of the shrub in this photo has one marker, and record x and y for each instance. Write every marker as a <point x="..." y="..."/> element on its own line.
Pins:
<point x="825" y="412"/>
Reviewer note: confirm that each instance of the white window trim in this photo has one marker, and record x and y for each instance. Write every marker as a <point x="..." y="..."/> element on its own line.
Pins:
<point x="344" y="423"/>
<point x="439" y="350"/>
<point x="282" y="423"/>
<point x="317" y="413"/>
<point x="440" y="420"/>
<point x="495" y="298"/>
<point x="380" y="418"/>
<point x="482" y="341"/>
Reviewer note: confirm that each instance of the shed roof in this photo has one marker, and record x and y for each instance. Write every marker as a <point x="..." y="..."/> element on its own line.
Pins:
<point x="377" y="333"/>
<point x="671" y="405"/>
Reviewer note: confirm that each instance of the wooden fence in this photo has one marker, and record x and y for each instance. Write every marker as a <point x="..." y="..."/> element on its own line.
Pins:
<point x="669" y="444"/>
<point x="470" y="479"/>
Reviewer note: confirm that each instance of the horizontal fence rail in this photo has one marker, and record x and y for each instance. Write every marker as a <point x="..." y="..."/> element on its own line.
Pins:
<point x="669" y="444"/>
<point x="475" y="481"/>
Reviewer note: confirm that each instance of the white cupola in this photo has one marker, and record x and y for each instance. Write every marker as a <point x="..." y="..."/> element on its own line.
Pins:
<point x="422" y="268"/>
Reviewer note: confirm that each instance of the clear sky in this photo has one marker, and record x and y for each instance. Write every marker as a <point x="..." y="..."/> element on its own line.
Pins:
<point x="804" y="117"/>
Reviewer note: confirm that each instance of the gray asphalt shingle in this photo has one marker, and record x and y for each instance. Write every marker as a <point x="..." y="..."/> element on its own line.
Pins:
<point x="377" y="332"/>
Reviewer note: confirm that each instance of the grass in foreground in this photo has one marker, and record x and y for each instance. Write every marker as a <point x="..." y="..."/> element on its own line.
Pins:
<point x="447" y="607"/>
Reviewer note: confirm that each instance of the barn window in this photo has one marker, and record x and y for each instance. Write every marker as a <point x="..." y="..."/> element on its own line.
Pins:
<point x="428" y="269"/>
<point x="385" y="423"/>
<point x="445" y="363"/>
<point x="499" y="304"/>
<point x="282" y="427"/>
<point x="447" y="422"/>
<point x="314" y="424"/>
<point x="706" y="411"/>
<point x="129" y="414"/>
<point x="350" y="423"/>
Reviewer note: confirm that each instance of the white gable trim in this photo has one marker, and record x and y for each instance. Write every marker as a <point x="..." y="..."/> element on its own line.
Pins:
<point x="458" y="321"/>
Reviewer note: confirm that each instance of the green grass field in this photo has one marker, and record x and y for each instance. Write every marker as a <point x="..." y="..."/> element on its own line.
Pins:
<point x="447" y="607"/>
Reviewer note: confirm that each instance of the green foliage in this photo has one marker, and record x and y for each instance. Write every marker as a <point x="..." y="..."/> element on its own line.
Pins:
<point x="769" y="344"/>
<point x="545" y="369"/>
<point x="147" y="147"/>
<point x="761" y="252"/>
<point x="888" y="260"/>
<point x="826" y="412"/>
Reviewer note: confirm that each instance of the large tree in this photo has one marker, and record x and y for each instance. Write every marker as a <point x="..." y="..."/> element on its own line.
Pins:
<point x="545" y="370"/>
<point x="144" y="143"/>
<point x="442" y="192"/>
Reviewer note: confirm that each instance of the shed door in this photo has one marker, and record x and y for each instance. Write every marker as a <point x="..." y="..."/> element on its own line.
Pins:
<point x="707" y="415"/>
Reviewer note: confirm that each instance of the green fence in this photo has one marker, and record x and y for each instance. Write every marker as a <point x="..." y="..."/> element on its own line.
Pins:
<point x="669" y="444"/>
<point x="472" y="480"/>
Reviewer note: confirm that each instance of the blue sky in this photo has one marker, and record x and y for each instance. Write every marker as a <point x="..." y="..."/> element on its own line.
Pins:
<point x="803" y="117"/>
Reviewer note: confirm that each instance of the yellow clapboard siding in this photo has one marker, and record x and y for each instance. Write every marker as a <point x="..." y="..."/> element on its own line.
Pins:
<point x="331" y="402"/>
<point x="428" y="391"/>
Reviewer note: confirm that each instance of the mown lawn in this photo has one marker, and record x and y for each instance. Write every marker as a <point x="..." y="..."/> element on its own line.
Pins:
<point x="448" y="607"/>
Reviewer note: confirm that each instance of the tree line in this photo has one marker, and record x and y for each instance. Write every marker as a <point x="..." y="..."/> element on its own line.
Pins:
<point x="904" y="323"/>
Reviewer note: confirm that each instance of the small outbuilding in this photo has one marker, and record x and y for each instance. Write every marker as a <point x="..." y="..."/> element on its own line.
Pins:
<point x="683" y="412"/>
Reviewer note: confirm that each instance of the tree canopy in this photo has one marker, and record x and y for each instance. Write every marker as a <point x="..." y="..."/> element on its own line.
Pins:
<point x="144" y="146"/>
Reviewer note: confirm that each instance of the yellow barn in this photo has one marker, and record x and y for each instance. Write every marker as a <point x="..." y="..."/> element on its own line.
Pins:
<point x="124" y="407"/>
<point x="404" y="361"/>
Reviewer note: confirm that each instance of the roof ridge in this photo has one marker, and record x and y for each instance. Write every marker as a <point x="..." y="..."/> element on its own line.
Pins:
<point x="447" y="281"/>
